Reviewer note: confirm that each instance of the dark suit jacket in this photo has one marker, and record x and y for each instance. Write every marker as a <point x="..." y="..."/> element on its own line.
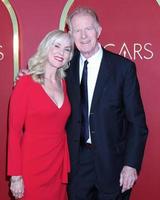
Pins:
<point x="117" y="119"/>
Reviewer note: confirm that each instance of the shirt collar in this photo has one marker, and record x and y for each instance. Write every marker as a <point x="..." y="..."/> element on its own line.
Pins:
<point x="93" y="58"/>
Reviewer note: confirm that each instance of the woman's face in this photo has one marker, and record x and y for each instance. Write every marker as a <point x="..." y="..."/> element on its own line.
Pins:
<point x="60" y="53"/>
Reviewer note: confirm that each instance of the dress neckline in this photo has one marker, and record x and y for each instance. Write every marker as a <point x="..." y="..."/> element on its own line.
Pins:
<point x="52" y="100"/>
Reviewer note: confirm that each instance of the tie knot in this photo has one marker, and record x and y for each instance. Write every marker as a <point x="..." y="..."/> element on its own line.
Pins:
<point x="86" y="62"/>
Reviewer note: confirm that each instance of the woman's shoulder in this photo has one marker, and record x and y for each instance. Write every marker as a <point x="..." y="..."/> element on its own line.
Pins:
<point x="24" y="81"/>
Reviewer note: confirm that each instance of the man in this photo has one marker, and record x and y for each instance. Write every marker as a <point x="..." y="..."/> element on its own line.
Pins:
<point x="106" y="163"/>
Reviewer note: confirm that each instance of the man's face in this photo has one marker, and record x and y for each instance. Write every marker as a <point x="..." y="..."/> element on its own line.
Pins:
<point x="85" y="32"/>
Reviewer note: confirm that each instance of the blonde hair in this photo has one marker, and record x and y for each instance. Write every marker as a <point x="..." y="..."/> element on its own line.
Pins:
<point x="36" y="63"/>
<point x="84" y="11"/>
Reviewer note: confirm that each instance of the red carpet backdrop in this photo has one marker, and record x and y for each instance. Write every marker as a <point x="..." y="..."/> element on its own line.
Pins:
<point x="130" y="28"/>
<point x="6" y="82"/>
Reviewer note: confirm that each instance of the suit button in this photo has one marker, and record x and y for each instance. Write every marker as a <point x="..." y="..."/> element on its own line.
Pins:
<point x="91" y="113"/>
<point x="92" y="132"/>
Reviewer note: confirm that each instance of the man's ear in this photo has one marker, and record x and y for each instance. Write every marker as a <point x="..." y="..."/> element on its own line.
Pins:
<point x="99" y="30"/>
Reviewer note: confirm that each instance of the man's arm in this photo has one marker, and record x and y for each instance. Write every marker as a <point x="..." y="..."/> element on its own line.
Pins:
<point x="137" y="129"/>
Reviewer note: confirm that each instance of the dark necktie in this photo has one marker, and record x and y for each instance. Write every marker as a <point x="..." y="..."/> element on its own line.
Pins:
<point x="84" y="104"/>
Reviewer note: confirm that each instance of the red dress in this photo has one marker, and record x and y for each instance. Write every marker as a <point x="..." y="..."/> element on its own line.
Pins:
<point x="37" y="147"/>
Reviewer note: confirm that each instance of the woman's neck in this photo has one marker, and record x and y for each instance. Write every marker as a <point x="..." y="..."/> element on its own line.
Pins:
<point x="50" y="73"/>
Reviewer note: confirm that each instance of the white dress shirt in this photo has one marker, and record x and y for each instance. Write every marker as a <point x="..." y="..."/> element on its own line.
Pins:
<point x="93" y="69"/>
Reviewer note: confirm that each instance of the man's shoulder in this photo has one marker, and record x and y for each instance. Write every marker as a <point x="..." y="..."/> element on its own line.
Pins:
<point x="76" y="54"/>
<point x="115" y="56"/>
<point x="74" y="62"/>
<point x="117" y="63"/>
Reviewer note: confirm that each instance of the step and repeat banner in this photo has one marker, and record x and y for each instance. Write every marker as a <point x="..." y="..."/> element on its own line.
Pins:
<point x="130" y="28"/>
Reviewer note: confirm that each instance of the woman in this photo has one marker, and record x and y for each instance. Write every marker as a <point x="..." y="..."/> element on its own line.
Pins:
<point x="38" y="159"/>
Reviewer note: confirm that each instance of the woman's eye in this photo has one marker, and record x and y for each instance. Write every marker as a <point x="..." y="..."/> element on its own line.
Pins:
<point x="68" y="50"/>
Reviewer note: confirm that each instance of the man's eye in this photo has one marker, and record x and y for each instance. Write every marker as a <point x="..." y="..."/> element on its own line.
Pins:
<point x="76" y="31"/>
<point x="57" y="46"/>
<point x="89" y="28"/>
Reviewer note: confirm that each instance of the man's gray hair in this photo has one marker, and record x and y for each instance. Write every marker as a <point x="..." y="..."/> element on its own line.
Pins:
<point x="82" y="10"/>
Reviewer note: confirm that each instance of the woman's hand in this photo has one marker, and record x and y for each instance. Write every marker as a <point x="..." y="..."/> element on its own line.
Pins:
<point x="17" y="186"/>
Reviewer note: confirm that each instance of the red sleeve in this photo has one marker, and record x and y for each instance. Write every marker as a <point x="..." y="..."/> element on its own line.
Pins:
<point x="17" y="113"/>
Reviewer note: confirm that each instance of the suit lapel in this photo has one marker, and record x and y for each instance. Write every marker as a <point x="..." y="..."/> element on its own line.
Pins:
<point x="102" y="79"/>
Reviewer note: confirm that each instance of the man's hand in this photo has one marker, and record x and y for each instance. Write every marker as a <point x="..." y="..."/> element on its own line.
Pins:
<point x="21" y="73"/>
<point x="128" y="177"/>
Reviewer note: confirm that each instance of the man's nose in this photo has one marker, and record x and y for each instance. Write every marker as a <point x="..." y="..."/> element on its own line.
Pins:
<point x="83" y="34"/>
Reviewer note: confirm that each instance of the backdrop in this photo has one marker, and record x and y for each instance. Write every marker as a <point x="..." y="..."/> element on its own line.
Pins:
<point x="130" y="28"/>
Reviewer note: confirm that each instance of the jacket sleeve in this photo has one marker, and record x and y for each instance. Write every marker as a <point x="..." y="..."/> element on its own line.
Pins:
<point x="137" y="129"/>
